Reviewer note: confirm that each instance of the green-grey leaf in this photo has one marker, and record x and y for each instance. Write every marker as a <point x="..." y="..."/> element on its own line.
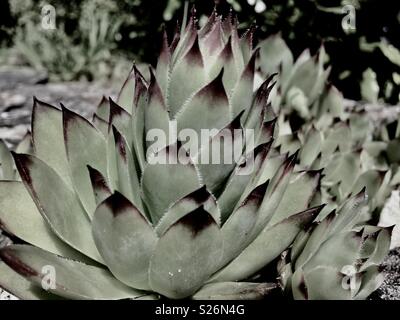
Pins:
<point x="125" y="240"/>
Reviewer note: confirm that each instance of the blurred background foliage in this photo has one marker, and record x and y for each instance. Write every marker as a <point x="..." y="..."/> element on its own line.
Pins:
<point x="98" y="39"/>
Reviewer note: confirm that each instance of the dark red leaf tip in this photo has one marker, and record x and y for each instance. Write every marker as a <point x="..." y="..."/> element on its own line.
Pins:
<point x="215" y="89"/>
<point x="120" y="143"/>
<point x="194" y="56"/>
<point x="118" y="204"/>
<point x="6" y="254"/>
<point x="196" y="221"/>
<point x="23" y="162"/>
<point x="154" y="89"/>
<point x="98" y="180"/>
<point x="200" y="195"/>
<point x="257" y="195"/>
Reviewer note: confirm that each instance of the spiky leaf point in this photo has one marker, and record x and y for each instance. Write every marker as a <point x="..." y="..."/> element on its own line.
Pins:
<point x="48" y="138"/>
<point x="179" y="89"/>
<point x="208" y="109"/>
<point x="237" y="230"/>
<point x="217" y="159"/>
<point x="103" y="109"/>
<point x="298" y="195"/>
<point x="66" y="218"/>
<point x="235" y="291"/>
<point x="126" y="96"/>
<point x="158" y="178"/>
<point x="128" y="179"/>
<point x="125" y="240"/>
<point x="100" y="185"/>
<point x="156" y="115"/>
<point x="6" y="162"/>
<point x="21" y="288"/>
<point x="200" y="197"/>
<point x="121" y="120"/>
<point x="265" y="247"/>
<point x="243" y="91"/>
<point x="74" y="280"/>
<point x="85" y="145"/>
<point x="164" y="65"/>
<point x="244" y="173"/>
<point x="186" y="255"/>
<point x="19" y="216"/>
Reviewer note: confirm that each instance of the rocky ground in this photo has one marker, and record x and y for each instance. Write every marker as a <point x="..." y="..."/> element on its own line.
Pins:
<point x="17" y="88"/>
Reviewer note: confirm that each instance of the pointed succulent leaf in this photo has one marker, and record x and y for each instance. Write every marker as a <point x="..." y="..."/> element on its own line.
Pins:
<point x="340" y="137"/>
<point x="164" y="65"/>
<point x="242" y="94"/>
<point x="266" y="247"/>
<point x="217" y="158"/>
<point x="316" y="235"/>
<point x="184" y="42"/>
<point x="338" y="251"/>
<point x="344" y="168"/>
<point x="128" y="180"/>
<point x="381" y="249"/>
<point x="156" y="115"/>
<point x="25" y="145"/>
<point x="120" y="119"/>
<point x="327" y="283"/>
<point x="200" y="197"/>
<point x="235" y="291"/>
<point x="298" y="195"/>
<point x="237" y="230"/>
<point x="103" y="110"/>
<point x="311" y="147"/>
<point x="267" y="131"/>
<point x="138" y="132"/>
<point x="246" y="43"/>
<point x="186" y="255"/>
<point x="20" y="217"/>
<point x="66" y="218"/>
<point x="167" y="181"/>
<point x="372" y="279"/>
<point x="351" y="212"/>
<point x="275" y="53"/>
<point x="245" y="172"/>
<point x="18" y="286"/>
<point x="48" y="138"/>
<point x="126" y="96"/>
<point x="85" y="146"/>
<point x="226" y="60"/>
<point x="6" y="162"/>
<point x="213" y="43"/>
<point x="275" y="193"/>
<point x="74" y="280"/>
<point x="125" y="240"/>
<point x="300" y="242"/>
<point x="208" y="109"/>
<point x="101" y="125"/>
<point x="100" y="185"/>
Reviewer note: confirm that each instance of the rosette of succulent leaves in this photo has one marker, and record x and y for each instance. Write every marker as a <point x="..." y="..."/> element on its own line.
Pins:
<point x="86" y="200"/>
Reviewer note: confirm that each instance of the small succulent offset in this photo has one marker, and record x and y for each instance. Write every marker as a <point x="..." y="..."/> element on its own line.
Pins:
<point x="114" y="225"/>
<point x="315" y="268"/>
<point x="301" y="84"/>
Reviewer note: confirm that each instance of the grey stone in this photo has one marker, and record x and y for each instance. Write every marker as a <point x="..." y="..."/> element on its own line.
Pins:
<point x="10" y="77"/>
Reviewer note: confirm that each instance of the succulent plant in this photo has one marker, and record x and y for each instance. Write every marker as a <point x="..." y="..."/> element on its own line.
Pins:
<point x="347" y="165"/>
<point x="114" y="225"/>
<point x="314" y="268"/>
<point x="111" y="223"/>
<point x="301" y="84"/>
